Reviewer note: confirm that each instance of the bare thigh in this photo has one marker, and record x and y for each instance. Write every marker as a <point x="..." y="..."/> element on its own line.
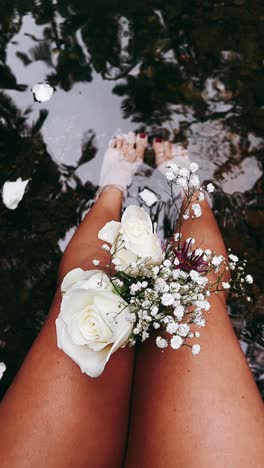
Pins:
<point x="54" y="416"/>
<point x="197" y="411"/>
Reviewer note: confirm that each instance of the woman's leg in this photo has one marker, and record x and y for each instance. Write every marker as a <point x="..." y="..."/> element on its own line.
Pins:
<point x="53" y="415"/>
<point x="197" y="411"/>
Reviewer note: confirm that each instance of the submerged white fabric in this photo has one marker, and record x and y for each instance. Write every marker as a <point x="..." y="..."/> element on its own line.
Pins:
<point x="116" y="170"/>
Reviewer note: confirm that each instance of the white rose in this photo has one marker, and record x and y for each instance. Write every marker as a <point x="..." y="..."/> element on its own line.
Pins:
<point x="13" y="192"/>
<point x="92" y="322"/>
<point x="133" y="238"/>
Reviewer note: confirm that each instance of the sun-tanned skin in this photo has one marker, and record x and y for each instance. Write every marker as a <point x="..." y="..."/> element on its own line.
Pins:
<point x="196" y="412"/>
<point x="188" y="411"/>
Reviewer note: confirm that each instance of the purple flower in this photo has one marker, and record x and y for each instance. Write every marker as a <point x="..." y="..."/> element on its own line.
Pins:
<point x="188" y="260"/>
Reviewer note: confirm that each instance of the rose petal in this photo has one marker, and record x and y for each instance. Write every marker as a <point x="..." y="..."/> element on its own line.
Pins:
<point x="74" y="331"/>
<point x="13" y="192"/>
<point x="90" y="362"/>
<point x="86" y="280"/>
<point x="83" y="335"/>
<point x="98" y="279"/>
<point x="134" y="211"/>
<point x="148" y="197"/>
<point x="110" y="232"/>
<point x="74" y="301"/>
<point x="42" y="92"/>
<point x="108" y="305"/>
<point x="121" y="340"/>
<point x="150" y="245"/>
<point x="126" y="257"/>
<point x="75" y="275"/>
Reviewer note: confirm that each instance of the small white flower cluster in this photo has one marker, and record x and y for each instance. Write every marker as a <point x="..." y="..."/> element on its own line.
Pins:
<point x="164" y="299"/>
<point x="183" y="176"/>
<point x="172" y="297"/>
<point x="239" y="276"/>
<point x="210" y="188"/>
<point x="189" y="182"/>
<point x="197" y="210"/>
<point x="167" y="290"/>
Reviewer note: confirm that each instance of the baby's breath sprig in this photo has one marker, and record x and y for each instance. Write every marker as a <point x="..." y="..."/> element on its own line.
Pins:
<point x="170" y="298"/>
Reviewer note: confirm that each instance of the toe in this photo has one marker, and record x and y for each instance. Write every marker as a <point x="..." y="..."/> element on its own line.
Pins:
<point x="158" y="147"/>
<point x="125" y="149"/>
<point x="131" y="140"/>
<point x="112" y="143"/>
<point x="119" y="141"/>
<point x="141" y="144"/>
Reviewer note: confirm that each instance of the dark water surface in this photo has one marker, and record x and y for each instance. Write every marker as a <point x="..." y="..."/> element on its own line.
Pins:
<point x="190" y="70"/>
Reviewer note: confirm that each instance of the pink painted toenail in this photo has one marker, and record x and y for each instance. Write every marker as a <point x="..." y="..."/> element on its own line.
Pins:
<point x="158" y="140"/>
<point x="142" y="135"/>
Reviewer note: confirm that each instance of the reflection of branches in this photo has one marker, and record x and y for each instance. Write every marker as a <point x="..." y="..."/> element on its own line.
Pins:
<point x="71" y="66"/>
<point x="88" y="148"/>
<point x="171" y="45"/>
<point x="89" y="151"/>
<point x="149" y="95"/>
<point x="8" y="79"/>
<point x="41" y="51"/>
<point x="29" y="237"/>
<point x="10" y="23"/>
<point x="122" y="73"/>
<point x="71" y="63"/>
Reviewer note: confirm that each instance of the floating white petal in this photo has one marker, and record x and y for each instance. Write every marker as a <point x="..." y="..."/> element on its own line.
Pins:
<point x="2" y="369"/>
<point x="42" y="92"/>
<point x="148" y="197"/>
<point x="13" y="192"/>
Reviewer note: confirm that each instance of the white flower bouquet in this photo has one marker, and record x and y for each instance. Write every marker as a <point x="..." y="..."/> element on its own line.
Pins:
<point x="148" y="287"/>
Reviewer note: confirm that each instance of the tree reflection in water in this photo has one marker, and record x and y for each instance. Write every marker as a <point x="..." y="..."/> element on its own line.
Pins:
<point x="29" y="235"/>
<point x="192" y="70"/>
